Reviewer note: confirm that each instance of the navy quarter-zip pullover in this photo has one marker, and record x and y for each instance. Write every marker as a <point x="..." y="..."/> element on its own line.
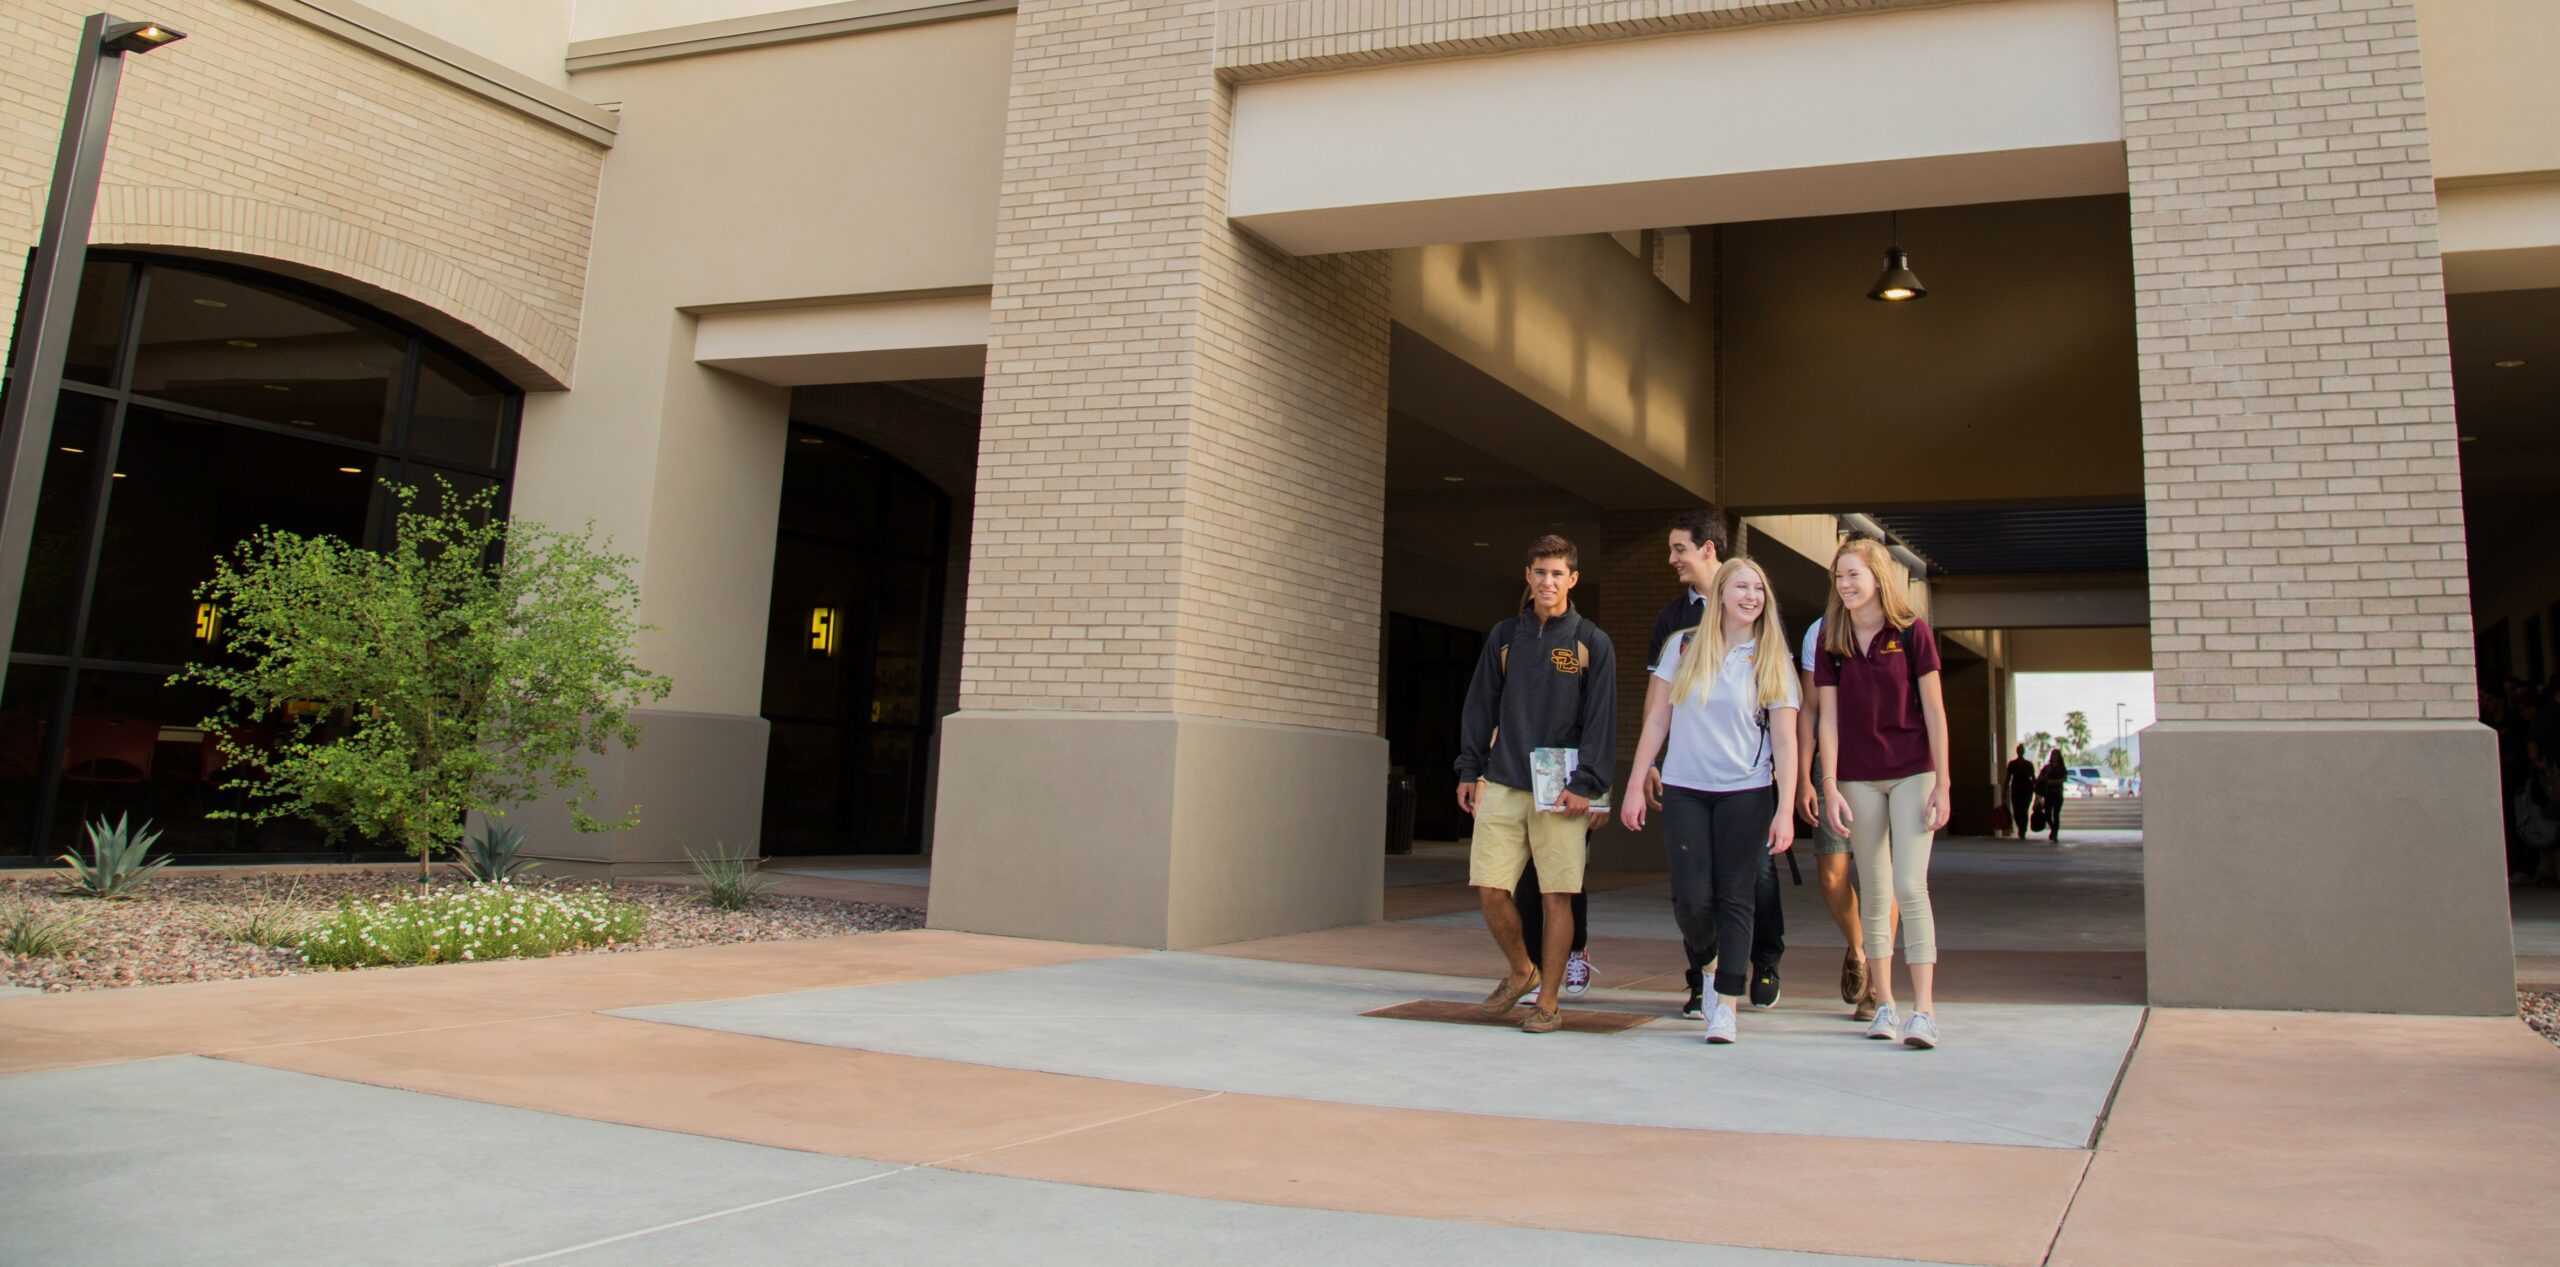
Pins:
<point x="1543" y="684"/>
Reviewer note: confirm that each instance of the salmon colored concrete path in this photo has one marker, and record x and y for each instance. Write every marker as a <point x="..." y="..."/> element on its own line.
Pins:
<point x="2242" y="1138"/>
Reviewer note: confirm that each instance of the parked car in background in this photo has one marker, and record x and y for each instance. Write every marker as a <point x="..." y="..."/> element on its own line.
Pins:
<point x="2083" y="781"/>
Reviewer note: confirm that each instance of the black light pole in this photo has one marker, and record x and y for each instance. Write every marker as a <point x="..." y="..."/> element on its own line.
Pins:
<point x="52" y="290"/>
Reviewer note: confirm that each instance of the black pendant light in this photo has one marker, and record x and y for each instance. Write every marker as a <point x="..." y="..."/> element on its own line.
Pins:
<point x="1897" y="283"/>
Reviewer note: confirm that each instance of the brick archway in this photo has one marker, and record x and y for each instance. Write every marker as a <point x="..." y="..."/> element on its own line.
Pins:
<point x="442" y="295"/>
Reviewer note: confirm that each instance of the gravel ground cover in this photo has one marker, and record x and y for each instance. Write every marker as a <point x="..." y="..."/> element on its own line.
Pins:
<point x="2542" y="1012"/>
<point x="173" y="929"/>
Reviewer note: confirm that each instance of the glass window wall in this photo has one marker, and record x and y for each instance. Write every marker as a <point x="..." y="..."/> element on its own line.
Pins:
<point x="202" y="404"/>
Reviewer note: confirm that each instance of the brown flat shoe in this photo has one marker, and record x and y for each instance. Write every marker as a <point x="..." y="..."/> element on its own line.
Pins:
<point x="1853" y="977"/>
<point x="1543" y="1023"/>
<point x="1866" y="1009"/>
<point x="1505" y="997"/>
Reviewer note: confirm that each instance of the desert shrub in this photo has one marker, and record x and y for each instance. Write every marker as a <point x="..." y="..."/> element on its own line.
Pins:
<point x="729" y="881"/>
<point x="24" y="930"/>
<point x="484" y="921"/>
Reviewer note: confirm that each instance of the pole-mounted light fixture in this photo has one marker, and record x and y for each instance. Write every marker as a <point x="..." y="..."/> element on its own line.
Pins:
<point x="138" y="37"/>
<point x="1897" y="283"/>
<point x="51" y="289"/>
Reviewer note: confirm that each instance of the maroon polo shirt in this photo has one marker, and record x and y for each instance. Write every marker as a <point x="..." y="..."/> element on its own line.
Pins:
<point x="1883" y="734"/>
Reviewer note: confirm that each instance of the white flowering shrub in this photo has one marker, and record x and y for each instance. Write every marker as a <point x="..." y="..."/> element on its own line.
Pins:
<point x="484" y="921"/>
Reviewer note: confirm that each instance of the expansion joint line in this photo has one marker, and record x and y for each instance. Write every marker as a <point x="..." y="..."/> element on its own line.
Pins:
<point x="823" y="1189"/>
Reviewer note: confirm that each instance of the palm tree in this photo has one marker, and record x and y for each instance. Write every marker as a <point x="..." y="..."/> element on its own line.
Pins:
<point x="2075" y="734"/>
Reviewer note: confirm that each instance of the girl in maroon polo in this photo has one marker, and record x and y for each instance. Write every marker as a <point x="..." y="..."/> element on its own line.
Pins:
<point x="1884" y="753"/>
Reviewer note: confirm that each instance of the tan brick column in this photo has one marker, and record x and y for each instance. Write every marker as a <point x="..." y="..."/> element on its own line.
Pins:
<point x="1169" y="693"/>
<point x="2322" y="824"/>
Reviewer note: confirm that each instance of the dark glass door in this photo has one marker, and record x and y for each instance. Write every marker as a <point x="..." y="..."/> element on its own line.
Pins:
<point x="1428" y="664"/>
<point x="849" y="657"/>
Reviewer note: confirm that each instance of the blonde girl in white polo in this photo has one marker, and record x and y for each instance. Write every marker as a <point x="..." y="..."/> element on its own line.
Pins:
<point x="1730" y="718"/>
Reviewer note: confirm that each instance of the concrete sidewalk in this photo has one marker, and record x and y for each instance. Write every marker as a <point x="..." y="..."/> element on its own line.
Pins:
<point x="942" y="1098"/>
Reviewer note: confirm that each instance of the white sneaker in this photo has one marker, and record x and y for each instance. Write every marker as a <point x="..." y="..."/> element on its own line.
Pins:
<point x="1529" y="1000"/>
<point x="1886" y="1026"/>
<point x="1922" y="1032"/>
<point x="1720" y="1027"/>
<point x="1577" y="974"/>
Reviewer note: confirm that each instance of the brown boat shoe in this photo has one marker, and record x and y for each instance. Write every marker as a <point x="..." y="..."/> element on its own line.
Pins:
<point x="1506" y="996"/>
<point x="1853" y="977"/>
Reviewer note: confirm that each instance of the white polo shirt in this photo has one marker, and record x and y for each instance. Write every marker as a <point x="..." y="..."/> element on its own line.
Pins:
<point x="1723" y="744"/>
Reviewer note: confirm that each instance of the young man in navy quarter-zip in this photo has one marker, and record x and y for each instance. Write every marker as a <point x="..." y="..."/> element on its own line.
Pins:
<point x="1547" y="679"/>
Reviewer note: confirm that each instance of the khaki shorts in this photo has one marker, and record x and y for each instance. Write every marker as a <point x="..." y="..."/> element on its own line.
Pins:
<point x="1509" y="832"/>
<point x="1825" y="841"/>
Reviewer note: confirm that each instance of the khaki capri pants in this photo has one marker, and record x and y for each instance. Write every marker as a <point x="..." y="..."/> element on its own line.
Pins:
<point x="1889" y="837"/>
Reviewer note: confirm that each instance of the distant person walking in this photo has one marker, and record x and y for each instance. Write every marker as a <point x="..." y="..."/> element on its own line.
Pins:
<point x="2050" y="782"/>
<point x="1884" y="749"/>
<point x="1729" y="715"/>
<point x="2022" y="791"/>
<point x="1546" y="683"/>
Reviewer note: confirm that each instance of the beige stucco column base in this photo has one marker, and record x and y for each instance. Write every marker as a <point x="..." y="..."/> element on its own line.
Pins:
<point x="698" y="779"/>
<point x="2339" y="866"/>
<point x="1160" y="830"/>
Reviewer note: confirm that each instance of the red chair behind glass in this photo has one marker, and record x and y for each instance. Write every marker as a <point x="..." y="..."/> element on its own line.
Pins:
<point x="109" y="750"/>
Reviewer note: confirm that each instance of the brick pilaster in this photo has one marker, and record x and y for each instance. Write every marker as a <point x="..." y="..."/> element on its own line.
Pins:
<point x="2297" y="400"/>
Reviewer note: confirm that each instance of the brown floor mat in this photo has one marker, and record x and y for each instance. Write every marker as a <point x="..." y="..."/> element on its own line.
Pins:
<point x="1577" y="1020"/>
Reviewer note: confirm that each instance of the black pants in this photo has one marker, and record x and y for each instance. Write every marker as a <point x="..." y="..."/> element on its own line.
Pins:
<point x="2022" y="800"/>
<point x="1533" y="914"/>
<point x="1723" y="880"/>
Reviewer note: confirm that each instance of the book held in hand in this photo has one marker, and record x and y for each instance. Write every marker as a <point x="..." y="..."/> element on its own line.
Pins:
<point x="1548" y="770"/>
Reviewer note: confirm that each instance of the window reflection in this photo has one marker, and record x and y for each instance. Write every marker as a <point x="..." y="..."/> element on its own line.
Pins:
<point x="26" y="714"/>
<point x="187" y="492"/>
<point x="61" y="546"/>
<point x="248" y="350"/>
<point x="457" y="414"/>
<point x="97" y="323"/>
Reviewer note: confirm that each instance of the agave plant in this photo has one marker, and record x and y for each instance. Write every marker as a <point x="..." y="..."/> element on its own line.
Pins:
<point x="116" y="855"/>
<point x="490" y="857"/>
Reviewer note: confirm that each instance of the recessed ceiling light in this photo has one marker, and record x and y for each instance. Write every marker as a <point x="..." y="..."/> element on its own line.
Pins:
<point x="275" y="387"/>
<point x="68" y="449"/>
<point x="1453" y="479"/>
<point x="302" y="422"/>
<point x="242" y="343"/>
<point x="119" y="475"/>
<point x="811" y="440"/>
<point x="2464" y="439"/>
<point x="351" y="470"/>
<point x="2510" y="363"/>
<point x="210" y="303"/>
<point x="1482" y="544"/>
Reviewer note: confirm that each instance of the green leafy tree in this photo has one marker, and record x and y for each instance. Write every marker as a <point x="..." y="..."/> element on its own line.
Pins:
<point x="466" y="668"/>
<point x="2038" y="744"/>
<point x="2075" y="737"/>
<point x="2119" y="762"/>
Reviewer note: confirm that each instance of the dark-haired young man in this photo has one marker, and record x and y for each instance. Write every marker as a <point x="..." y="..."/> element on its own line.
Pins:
<point x="1547" y="679"/>
<point x="1698" y="546"/>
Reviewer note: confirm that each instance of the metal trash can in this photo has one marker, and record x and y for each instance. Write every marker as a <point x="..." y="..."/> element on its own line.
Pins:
<point x="1399" y="811"/>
